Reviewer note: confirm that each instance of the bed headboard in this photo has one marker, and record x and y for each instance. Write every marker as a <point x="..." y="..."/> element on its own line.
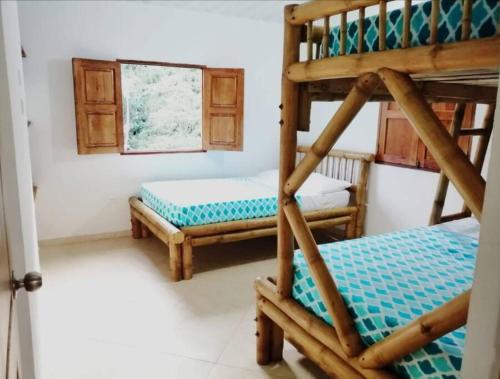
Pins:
<point x="350" y="166"/>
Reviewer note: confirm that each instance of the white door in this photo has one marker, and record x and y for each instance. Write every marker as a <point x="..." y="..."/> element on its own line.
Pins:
<point x="18" y="240"/>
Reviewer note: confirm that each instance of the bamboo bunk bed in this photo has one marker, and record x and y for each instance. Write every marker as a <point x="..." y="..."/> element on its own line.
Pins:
<point x="344" y="165"/>
<point x="461" y="71"/>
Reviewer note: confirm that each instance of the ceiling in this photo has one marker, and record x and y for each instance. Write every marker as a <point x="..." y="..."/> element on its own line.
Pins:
<point x="263" y="10"/>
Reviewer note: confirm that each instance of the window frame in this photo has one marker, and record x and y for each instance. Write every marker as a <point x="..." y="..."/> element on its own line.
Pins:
<point x="167" y="64"/>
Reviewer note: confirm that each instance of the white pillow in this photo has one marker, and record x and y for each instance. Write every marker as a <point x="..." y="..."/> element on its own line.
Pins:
<point x="316" y="183"/>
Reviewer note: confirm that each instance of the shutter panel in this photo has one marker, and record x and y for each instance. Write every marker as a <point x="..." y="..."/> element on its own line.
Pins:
<point x="98" y="103"/>
<point x="397" y="141"/>
<point x="223" y="109"/>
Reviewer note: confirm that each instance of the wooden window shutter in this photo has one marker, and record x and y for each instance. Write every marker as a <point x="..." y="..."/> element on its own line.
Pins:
<point x="98" y="103"/>
<point x="223" y="109"/>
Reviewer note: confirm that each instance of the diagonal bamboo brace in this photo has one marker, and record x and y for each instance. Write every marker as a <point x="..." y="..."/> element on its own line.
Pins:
<point x="418" y="333"/>
<point x="448" y="155"/>
<point x="352" y="104"/>
<point x="342" y="320"/>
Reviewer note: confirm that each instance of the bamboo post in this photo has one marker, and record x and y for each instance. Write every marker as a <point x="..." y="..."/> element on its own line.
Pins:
<point x="175" y="256"/>
<point x="482" y="145"/>
<point x="348" y="335"/>
<point x="418" y="333"/>
<point x="343" y="33"/>
<point x="288" y="146"/>
<point x="330" y="362"/>
<point x="382" y="22"/>
<point x="406" y="25"/>
<point x="434" y="21"/>
<point x="354" y="101"/>
<point x="448" y="155"/>
<point x="144" y="231"/>
<point x="361" y="29"/>
<point x="263" y="334"/>
<point x="136" y="227"/>
<point x="309" y="40"/>
<point x="361" y="198"/>
<point x="326" y="37"/>
<point x="466" y="19"/>
<point x="187" y="258"/>
<point x="442" y="189"/>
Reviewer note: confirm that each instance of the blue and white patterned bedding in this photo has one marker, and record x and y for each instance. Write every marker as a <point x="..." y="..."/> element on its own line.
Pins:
<point x="390" y="279"/>
<point x="485" y="15"/>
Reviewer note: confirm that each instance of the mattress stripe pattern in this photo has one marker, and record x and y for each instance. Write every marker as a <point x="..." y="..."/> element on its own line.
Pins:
<point x="485" y="16"/>
<point x="389" y="280"/>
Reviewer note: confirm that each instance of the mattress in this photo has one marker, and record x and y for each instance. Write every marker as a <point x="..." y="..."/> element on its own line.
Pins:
<point x="485" y="15"/>
<point x="389" y="280"/>
<point x="206" y="201"/>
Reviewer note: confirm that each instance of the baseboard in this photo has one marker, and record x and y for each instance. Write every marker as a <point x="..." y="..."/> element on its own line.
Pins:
<point x="84" y="238"/>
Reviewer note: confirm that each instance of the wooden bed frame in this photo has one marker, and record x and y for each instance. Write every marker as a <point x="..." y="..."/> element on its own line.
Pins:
<point x="344" y="165"/>
<point x="464" y="71"/>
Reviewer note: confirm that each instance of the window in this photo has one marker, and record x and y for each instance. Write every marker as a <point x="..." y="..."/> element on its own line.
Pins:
<point x="399" y="144"/>
<point x="133" y="107"/>
<point x="162" y="107"/>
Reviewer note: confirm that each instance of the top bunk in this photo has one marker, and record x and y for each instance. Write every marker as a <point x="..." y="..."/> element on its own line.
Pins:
<point x="443" y="44"/>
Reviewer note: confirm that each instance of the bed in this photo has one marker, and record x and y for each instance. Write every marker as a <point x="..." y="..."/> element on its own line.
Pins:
<point x="189" y="213"/>
<point x="390" y="306"/>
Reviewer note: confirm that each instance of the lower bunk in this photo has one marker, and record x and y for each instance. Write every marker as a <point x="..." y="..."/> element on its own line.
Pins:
<point x="386" y="282"/>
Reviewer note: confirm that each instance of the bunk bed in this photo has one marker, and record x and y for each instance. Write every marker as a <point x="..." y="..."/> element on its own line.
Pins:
<point x="394" y="305"/>
<point x="192" y="213"/>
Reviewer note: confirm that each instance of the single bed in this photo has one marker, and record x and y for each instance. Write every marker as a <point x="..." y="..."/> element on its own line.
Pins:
<point x="189" y="213"/>
<point x="390" y="279"/>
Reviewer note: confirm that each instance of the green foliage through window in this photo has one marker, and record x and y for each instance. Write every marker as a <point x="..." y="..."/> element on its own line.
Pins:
<point x="161" y="107"/>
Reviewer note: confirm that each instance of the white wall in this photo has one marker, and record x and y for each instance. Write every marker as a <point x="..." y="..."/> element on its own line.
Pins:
<point x="398" y="197"/>
<point x="79" y="195"/>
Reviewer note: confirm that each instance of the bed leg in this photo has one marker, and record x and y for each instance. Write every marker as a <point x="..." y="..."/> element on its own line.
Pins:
<point x="264" y="336"/>
<point x="136" y="227"/>
<point x="175" y="252"/>
<point x="145" y="231"/>
<point x="187" y="258"/>
<point x="350" y="229"/>
<point x="277" y="342"/>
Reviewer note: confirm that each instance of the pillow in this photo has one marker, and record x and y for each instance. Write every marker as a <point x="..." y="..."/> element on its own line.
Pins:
<point x="316" y="183"/>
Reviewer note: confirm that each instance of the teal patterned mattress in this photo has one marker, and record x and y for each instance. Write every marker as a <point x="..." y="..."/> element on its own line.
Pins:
<point x="389" y="280"/>
<point x="485" y="16"/>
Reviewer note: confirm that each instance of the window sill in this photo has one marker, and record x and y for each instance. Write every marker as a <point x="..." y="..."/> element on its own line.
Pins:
<point x="143" y="152"/>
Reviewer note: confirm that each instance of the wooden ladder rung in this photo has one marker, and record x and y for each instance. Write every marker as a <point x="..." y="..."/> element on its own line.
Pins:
<point x="472" y="132"/>
<point x="454" y="216"/>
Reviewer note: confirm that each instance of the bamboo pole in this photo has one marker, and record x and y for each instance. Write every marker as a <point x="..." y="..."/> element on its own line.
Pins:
<point x="406" y="25"/>
<point x="434" y="21"/>
<point x="136" y="226"/>
<point x="482" y="145"/>
<point x="466" y="19"/>
<point x="361" y="198"/>
<point x="266" y="232"/>
<point x="315" y="10"/>
<point x="357" y="97"/>
<point x="343" y="33"/>
<point x="442" y="189"/>
<point x="263" y="334"/>
<point x="315" y="327"/>
<point x="144" y="231"/>
<point x="361" y="29"/>
<point x="175" y="257"/>
<point x="448" y="57"/>
<point x="368" y="157"/>
<point x="326" y="37"/>
<point x="417" y="334"/>
<point x="262" y="222"/>
<point x="348" y="335"/>
<point x="187" y="258"/>
<point x="288" y="146"/>
<point x="330" y="362"/>
<point x="309" y="41"/>
<point x="382" y="22"/>
<point x="448" y="155"/>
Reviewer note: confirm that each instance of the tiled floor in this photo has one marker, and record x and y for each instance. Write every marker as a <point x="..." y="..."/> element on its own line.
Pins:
<point x="109" y="310"/>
